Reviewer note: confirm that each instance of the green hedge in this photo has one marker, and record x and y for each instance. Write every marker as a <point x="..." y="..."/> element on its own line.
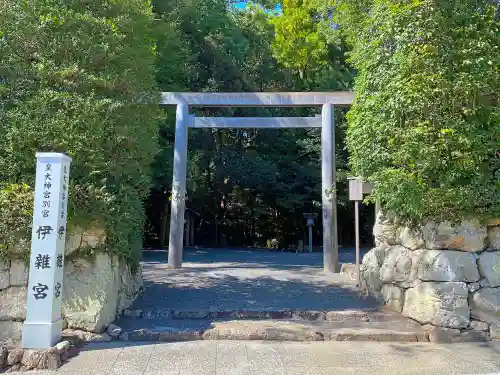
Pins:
<point x="78" y="77"/>
<point x="425" y="125"/>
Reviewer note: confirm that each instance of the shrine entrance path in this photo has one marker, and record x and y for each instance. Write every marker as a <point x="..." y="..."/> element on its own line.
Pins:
<point x="256" y="280"/>
<point x="256" y="295"/>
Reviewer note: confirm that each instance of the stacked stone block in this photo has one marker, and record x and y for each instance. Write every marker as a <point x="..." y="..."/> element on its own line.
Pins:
<point x="441" y="275"/>
<point x="95" y="290"/>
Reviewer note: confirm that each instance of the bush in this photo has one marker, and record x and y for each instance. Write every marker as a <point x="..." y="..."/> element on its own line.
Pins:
<point x="425" y="123"/>
<point x="16" y="212"/>
<point x="78" y="77"/>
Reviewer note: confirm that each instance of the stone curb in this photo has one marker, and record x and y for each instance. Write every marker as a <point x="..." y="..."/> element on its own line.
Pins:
<point x="274" y="335"/>
<point x="296" y="330"/>
<point x="308" y="315"/>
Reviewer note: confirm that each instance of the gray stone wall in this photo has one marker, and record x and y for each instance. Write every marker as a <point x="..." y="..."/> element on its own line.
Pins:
<point x="438" y="274"/>
<point x="15" y="359"/>
<point x="94" y="291"/>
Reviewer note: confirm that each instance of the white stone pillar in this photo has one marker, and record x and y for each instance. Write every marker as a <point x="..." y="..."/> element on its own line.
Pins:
<point x="43" y="324"/>
<point x="175" y="243"/>
<point x="329" y="201"/>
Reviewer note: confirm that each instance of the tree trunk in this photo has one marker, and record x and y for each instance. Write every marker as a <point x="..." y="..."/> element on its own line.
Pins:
<point x="191" y="231"/>
<point x="216" y="231"/>
<point x="164" y="221"/>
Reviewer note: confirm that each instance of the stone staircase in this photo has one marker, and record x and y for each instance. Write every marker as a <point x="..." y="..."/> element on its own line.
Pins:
<point x="280" y="325"/>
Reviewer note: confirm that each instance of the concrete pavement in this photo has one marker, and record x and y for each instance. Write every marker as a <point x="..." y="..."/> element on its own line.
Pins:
<point x="282" y="358"/>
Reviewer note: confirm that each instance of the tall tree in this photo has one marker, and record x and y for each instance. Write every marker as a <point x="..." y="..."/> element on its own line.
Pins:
<point x="306" y="42"/>
<point x="425" y="125"/>
<point x="79" y="77"/>
<point x="248" y="185"/>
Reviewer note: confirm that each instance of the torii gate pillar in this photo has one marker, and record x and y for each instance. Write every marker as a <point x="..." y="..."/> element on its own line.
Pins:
<point x="328" y="193"/>
<point x="175" y="242"/>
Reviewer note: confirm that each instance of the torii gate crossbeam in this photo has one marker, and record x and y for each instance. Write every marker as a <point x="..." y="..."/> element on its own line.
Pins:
<point x="327" y="100"/>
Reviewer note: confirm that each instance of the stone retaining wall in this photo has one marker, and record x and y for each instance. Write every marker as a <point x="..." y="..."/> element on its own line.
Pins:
<point x="14" y="359"/>
<point x="94" y="291"/>
<point x="440" y="275"/>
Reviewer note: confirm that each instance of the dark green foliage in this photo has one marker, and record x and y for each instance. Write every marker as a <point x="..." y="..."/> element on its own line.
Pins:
<point x="249" y="186"/>
<point x="426" y="121"/>
<point x="16" y="211"/>
<point x="78" y="77"/>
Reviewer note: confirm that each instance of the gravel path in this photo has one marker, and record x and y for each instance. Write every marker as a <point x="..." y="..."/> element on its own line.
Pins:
<point x="221" y="279"/>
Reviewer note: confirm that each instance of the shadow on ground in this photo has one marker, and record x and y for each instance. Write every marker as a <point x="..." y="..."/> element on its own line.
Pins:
<point x="215" y="280"/>
<point x="253" y="257"/>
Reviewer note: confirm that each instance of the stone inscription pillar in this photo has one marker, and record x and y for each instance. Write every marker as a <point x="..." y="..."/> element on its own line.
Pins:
<point x="43" y="325"/>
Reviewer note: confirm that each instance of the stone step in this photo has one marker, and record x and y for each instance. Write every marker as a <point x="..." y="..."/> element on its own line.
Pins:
<point x="273" y="329"/>
<point x="309" y="315"/>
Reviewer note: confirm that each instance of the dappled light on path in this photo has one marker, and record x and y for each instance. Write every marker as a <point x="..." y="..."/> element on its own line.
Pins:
<point x="218" y="279"/>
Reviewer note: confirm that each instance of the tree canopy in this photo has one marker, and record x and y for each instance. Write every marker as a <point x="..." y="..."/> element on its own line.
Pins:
<point x="84" y="78"/>
<point x="78" y="77"/>
<point x="249" y="186"/>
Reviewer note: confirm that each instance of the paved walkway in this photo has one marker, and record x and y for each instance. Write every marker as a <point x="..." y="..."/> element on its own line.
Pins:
<point x="215" y="279"/>
<point x="218" y="280"/>
<point x="278" y="358"/>
<point x="259" y="295"/>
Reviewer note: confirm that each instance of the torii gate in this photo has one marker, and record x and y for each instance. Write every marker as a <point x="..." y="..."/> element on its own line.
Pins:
<point x="183" y="121"/>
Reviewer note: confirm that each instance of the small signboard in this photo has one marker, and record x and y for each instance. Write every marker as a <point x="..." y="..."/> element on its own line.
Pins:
<point x="355" y="189"/>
